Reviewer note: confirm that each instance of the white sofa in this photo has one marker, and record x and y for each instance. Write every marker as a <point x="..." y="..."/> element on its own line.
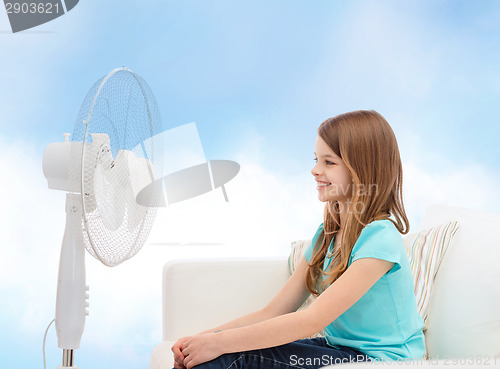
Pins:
<point x="464" y="316"/>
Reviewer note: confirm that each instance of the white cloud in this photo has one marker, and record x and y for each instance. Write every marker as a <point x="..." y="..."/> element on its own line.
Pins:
<point x="471" y="186"/>
<point x="32" y="230"/>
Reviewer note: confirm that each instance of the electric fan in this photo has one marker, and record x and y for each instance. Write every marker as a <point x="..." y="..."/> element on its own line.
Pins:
<point x="109" y="160"/>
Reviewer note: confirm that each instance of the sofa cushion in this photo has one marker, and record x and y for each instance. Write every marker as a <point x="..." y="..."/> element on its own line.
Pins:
<point x="425" y="251"/>
<point x="464" y="315"/>
<point x="162" y="356"/>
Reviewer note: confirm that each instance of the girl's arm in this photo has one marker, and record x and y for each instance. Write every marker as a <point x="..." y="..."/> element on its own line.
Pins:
<point x="333" y="302"/>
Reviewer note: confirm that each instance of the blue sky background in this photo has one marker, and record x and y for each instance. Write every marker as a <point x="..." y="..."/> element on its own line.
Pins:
<point x="257" y="77"/>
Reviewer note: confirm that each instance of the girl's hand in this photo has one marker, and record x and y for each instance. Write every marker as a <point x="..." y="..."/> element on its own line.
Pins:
<point x="200" y="349"/>
<point x="178" y="356"/>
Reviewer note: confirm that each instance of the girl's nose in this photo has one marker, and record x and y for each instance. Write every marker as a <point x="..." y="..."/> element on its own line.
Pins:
<point x="314" y="171"/>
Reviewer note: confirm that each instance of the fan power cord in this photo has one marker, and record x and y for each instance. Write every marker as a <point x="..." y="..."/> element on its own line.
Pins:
<point x="44" y="337"/>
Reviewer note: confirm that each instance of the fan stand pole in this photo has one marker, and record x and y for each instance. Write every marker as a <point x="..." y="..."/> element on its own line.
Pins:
<point x="67" y="361"/>
<point x="71" y="289"/>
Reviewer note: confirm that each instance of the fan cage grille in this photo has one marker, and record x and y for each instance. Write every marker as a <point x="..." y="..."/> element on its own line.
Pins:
<point x="124" y="116"/>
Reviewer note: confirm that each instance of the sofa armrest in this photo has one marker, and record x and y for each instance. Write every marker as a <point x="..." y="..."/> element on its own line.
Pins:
<point x="203" y="293"/>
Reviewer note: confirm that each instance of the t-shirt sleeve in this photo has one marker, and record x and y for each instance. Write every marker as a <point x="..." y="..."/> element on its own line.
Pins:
<point x="309" y="250"/>
<point x="379" y="240"/>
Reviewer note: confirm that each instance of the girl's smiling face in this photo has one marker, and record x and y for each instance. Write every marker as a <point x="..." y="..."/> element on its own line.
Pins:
<point x="334" y="181"/>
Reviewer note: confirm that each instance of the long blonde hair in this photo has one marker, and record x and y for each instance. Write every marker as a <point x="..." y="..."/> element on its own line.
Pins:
<point x="366" y="143"/>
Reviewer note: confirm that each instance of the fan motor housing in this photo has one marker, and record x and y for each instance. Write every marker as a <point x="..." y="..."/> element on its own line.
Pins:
<point x="56" y="163"/>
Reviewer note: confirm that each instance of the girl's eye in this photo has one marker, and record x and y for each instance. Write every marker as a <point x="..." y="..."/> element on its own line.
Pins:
<point x="327" y="162"/>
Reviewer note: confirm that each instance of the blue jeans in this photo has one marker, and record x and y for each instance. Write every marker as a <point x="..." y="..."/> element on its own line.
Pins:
<point x="307" y="353"/>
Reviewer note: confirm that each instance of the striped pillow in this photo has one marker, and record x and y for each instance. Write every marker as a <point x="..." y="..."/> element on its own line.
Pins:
<point x="425" y="251"/>
<point x="298" y="249"/>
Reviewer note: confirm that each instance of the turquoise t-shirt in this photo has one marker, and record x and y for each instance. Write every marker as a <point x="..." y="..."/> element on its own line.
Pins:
<point x="384" y="323"/>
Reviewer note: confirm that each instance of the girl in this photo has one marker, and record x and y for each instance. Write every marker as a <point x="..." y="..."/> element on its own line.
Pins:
<point x="356" y="265"/>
